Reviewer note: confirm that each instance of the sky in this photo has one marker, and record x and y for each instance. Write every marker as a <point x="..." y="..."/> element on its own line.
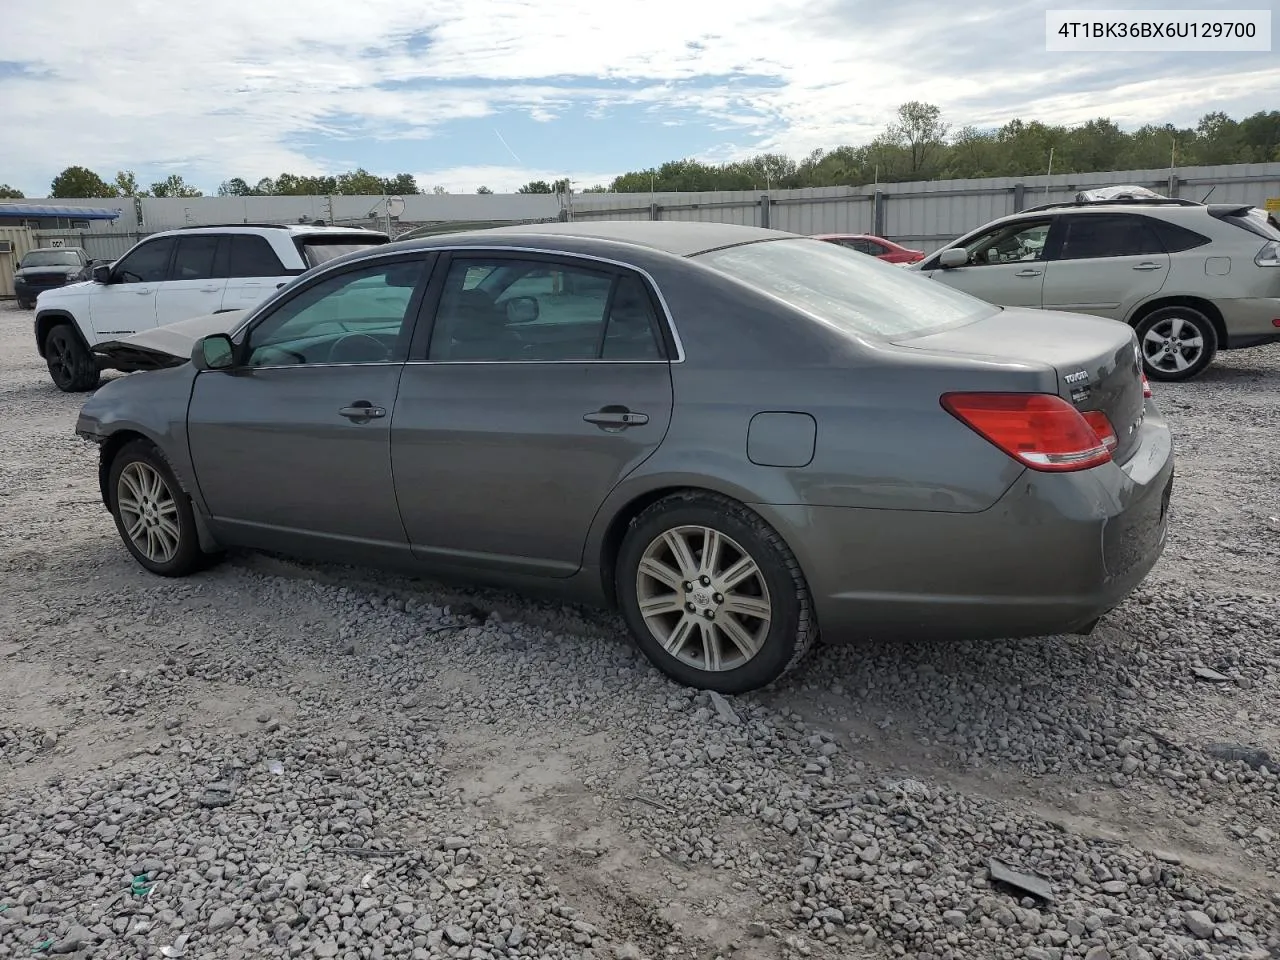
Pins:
<point x="462" y="93"/>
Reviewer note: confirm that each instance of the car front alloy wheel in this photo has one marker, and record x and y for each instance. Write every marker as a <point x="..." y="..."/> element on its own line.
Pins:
<point x="152" y="512"/>
<point x="712" y="595"/>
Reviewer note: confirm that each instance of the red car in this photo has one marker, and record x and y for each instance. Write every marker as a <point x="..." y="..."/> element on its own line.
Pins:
<point x="877" y="247"/>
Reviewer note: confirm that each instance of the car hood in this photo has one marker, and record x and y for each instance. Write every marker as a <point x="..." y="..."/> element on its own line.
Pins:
<point x="48" y="271"/>
<point x="166" y="346"/>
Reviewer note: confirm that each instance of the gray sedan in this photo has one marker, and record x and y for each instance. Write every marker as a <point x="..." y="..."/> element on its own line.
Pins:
<point x="739" y="437"/>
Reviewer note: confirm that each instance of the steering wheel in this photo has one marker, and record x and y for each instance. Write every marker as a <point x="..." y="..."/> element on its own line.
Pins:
<point x="368" y="348"/>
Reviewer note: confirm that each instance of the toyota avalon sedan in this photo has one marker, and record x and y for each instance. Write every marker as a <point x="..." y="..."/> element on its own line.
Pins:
<point x="741" y="438"/>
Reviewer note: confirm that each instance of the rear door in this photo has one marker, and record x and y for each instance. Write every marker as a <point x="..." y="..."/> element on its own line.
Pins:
<point x="193" y="288"/>
<point x="1006" y="264"/>
<point x="1105" y="264"/>
<point x="253" y="271"/>
<point x="545" y="382"/>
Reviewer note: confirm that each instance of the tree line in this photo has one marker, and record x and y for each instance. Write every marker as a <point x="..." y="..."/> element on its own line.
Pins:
<point x="918" y="145"/>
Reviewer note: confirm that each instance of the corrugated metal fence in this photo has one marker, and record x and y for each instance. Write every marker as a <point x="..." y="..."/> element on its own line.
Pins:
<point x="924" y="214"/>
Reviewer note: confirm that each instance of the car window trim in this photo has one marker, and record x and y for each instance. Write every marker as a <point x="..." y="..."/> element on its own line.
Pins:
<point x="675" y="348"/>
<point x="420" y="347"/>
<point x="172" y="276"/>
<point x="413" y="311"/>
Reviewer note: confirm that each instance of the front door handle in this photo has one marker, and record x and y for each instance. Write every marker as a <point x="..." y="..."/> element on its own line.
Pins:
<point x="210" y="289"/>
<point x="362" y="411"/>
<point x="142" y="293"/>
<point x="1027" y="273"/>
<point x="614" y="418"/>
<point x="1148" y="266"/>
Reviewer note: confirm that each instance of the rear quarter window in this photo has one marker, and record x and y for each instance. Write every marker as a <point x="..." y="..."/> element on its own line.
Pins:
<point x="320" y="249"/>
<point x="1176" y="239"/>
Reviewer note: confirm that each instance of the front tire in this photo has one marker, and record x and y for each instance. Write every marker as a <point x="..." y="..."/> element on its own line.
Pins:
<point x="152" y="513"/>
<point x="1177" y="343"/>
<point x="71" y="366"/>
<point x="712" y="595"/>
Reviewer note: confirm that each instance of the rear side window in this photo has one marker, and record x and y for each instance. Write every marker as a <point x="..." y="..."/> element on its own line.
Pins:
<point x="1095" y="236"/>
<point x="320" y="249"/>
<point x="251" y="256"/>
<point x="1176" y="238"/>
<point x="195" y="258"/>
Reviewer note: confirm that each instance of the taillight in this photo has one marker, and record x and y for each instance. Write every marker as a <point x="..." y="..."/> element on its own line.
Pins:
<point x="1040" y="430"/>
<point x="1101" y="426"/>
<point x="1269" y="255"/>
<point x="1146" y="386"/>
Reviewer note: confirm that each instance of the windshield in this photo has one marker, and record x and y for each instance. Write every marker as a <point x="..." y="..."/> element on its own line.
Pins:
<point x="50" y="258"/>
<point x="318" y="250"/>
<point x="849" y="290"/>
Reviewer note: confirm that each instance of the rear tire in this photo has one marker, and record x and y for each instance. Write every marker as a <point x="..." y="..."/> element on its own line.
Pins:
<point x="1177" y="343"/>
<point x="152" y="512"/>
<point x="712" y="595"/>
<point x="71" y="366"/>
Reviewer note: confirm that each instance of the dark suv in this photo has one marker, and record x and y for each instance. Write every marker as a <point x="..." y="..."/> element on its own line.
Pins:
<point x="46" y="268"/>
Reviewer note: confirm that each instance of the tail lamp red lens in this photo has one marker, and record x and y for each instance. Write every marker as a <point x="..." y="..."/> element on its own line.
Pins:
<point x="1146" y="387"/>
<point x="1040" y="430"/>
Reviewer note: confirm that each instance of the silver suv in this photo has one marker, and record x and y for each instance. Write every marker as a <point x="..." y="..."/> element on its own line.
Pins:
<point x="1191" y="278"/>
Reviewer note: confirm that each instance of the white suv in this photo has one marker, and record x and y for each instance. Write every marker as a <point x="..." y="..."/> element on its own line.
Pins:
<point x="176" y="275"/>
<point x="1191" y="278"/>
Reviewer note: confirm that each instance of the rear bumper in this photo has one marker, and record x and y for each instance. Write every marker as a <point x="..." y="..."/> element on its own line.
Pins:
<point x="1055" y="553"/>
<point x="1250" y="321"/>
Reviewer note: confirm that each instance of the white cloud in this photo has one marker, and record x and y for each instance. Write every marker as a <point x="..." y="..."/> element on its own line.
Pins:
<point x="504" y="179"/>
<point x="249" y="88"/>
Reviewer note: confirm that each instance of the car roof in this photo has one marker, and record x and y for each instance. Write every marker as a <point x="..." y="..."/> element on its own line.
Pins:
<point x="846" y="236"/>
<point x="303" y="229"/>
<point x="53" y="250"/>
<point x="681" y="238"/>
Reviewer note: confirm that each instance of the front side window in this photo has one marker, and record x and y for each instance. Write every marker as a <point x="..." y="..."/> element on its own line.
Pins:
<point x="504" y="309"/>
<point x="355" y="317"/>
<point x="854" y="293"/>
<point x="1011" y="243"/>
<point x="149" y="263"/>
<point x="194" y="259"/>
<point x="1096" y="236"/>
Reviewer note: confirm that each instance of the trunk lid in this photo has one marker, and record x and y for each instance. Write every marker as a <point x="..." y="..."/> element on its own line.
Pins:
<point x="1096" y="360"/>
<point x="166" y="346"/>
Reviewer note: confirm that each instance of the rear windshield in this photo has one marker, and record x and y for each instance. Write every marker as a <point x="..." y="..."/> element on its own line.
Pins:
<point x="51" y="258"/>
<point x="1256" y="221"/>
<point x="848" y="290"/>
<point x="318" y="250"/>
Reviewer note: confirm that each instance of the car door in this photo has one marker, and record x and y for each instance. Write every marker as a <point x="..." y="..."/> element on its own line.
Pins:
<point x="545" y="382"/>
<point x="1006" y="264"/>
<point x="128" y="303"/>
<point x="253" y="271"/>
<point x="291" y="447"/>
<point x="1104" y="263"/>
<point x="193" y="288"/>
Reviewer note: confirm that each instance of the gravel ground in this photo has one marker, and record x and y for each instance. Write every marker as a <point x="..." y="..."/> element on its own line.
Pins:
<point x="278" y="760"/>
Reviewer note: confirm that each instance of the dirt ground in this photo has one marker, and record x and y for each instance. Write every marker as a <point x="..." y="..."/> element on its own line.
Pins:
<point x="500" y="764"/>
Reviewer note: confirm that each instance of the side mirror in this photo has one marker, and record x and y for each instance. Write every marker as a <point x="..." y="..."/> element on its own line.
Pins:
<point x="214" y="352"/>
<point x="954" y="257"/>
<point x="102" y="273"/>
<point x="522" y="310"/>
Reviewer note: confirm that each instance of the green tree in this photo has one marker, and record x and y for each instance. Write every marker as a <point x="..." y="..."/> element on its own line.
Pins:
<point x="80" y="183"/>
<point x="235" y="187"/>
<point x="921" y="132"/>
<point x="126" y="185"/>
<point x="483" y="190"/>
<point x="174" y="186"/>
<point x="10" y="193"/>
<point x="536" y="186"/>
<point x="439" y="191"/>
<point x="401" y="184"/>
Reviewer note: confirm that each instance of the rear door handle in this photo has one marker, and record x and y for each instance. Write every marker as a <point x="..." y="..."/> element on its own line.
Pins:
<point x="362" y="411"/>
<point x="142" y="293"/>
<point x="1148" y="266"/>
<point x="1027" y="273"/>
<point x="210" y="289"/>
<point x="615" y="418"/>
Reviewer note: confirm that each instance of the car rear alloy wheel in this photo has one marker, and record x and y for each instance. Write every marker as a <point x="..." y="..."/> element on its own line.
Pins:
<point x="71" y="366"/>
<point x="152" y="512"/>
<point x="712" y="595"/>
<point x="1177" y="343"/>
